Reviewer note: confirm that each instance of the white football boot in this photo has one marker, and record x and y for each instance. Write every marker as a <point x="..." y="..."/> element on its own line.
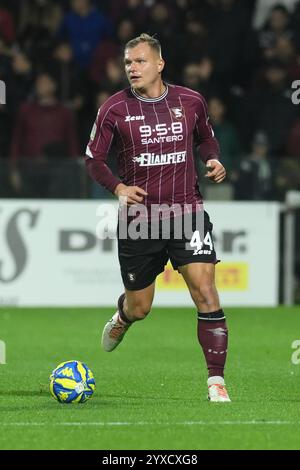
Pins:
<point x="216" y="390"/>
<point x="113" y="333"/>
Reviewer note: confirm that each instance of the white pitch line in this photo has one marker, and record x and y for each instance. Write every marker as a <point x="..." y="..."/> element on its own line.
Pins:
<point x="145" y="423"/>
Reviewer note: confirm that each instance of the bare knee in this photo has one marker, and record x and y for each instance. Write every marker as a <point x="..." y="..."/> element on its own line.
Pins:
<point x="206" y="297"/>
<point x="137" y="311"/>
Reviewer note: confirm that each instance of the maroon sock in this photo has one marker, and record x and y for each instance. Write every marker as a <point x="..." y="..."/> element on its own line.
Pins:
<point x="213" y="337"/>
<point x="121" y="310"/>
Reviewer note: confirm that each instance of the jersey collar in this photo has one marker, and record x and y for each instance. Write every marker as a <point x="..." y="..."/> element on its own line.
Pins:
<point x="150" y="100"/>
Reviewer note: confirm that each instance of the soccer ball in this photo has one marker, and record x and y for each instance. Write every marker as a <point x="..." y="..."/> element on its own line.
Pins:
<point x="72" y="382"/>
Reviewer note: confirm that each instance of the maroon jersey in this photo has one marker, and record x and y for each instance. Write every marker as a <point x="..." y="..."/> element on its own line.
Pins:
<point x="154" y="140"/>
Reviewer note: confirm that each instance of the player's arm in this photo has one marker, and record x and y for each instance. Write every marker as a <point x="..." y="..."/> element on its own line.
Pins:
<point x="96" y="160"/>
<point x="97" y="150"/>
<point x="207" y="144"/>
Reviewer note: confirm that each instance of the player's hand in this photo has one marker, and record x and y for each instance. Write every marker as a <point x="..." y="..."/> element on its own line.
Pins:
<point x="216" y="172"/>
<point x="130" y="195"/>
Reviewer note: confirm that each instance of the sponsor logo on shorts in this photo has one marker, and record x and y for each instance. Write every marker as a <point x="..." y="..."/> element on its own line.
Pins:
<point x="202" y="252"/>
<point x="152" y="159"/>
<point x="131" y="277"/>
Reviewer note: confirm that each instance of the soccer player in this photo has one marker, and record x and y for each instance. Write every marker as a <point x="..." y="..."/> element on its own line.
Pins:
<point x="154" y="126"/>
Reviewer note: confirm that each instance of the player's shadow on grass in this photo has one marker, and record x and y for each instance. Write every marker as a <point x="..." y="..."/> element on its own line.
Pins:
<point x="24" y="393"/>
<point x="149" y="398"/>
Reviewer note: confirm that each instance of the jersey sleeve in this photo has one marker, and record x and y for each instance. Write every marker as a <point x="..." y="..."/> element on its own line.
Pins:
<point x="204" y="138"/>
<point x="97" y="150"/>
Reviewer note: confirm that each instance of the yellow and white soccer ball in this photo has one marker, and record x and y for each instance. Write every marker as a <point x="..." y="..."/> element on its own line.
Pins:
<point x="72" y="382"/>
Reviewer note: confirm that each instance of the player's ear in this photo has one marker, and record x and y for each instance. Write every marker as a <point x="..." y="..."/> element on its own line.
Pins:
<point x="161" y="65"/>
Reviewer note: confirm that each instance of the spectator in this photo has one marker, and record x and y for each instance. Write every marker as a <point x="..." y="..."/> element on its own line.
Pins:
<point x="68" y="76"/>
<point x="286" y="53"/>
<point x="135" y="9"/>
<point x="84" y="27"/>
<point x="191" y="78"/>
<point x="208" y="85"/>
<point x="125" y="32"/>
<point x="163" y="22"/>
<point x="16" y="70"/>
<point x="33" y="132"/>
<point x="228" y="35"/>
<point x="109" y="49"/>
<point x="269" y="108"/>
<point x="220" y="55"/>
<point x="263" y="8"/>
<point x="101" y="97"/>
<point x="254" y="178"/>
<point x="5" y="131"/>
<point x="114" y="76"/>
<point x="38" y="25"/>
<point x="285" y="50"/>
<point x="295" y="24"/>
<point x="277" y="25"/>
<point x="293" y="140"/>
<point x="194" y="43"/>
<point x="44" y="131"/>
<point x="72" y="85"/>
<point x="225" y="134"/>
<point x="20" y="80"/>
<point x="7" y="25"/>
<point x="288" y="177"/>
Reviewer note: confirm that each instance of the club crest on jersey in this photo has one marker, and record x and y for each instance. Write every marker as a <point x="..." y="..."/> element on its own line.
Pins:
<point x="178" y="113"/>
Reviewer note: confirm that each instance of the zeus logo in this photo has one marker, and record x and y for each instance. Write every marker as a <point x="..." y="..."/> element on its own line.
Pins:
<point x="15" y="243"/>
<point x="2" y="92"/>
<point x="134" y="118"/>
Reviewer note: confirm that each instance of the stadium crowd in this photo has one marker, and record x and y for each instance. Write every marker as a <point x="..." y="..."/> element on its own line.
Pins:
<point x="60" y="59"/>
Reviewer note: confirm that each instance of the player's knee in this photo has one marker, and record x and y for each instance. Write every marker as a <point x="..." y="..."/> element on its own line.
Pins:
<point x="205" y="294"/>
<point x="139" y="311"/>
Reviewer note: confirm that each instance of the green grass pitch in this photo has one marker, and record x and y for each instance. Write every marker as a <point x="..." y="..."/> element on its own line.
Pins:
<point x="151" y="391"/>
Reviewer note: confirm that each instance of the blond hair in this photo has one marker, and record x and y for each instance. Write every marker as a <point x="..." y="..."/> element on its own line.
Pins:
<point x="145" y="38"/>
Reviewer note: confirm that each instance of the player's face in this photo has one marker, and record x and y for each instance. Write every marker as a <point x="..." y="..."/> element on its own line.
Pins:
<point x="143" y="66"/>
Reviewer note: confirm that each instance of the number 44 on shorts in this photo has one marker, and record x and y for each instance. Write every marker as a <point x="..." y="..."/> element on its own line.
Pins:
<point x="198" y="245"/>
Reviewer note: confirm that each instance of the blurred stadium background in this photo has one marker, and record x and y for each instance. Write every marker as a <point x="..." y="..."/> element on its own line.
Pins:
<point x="59" y="61"/>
